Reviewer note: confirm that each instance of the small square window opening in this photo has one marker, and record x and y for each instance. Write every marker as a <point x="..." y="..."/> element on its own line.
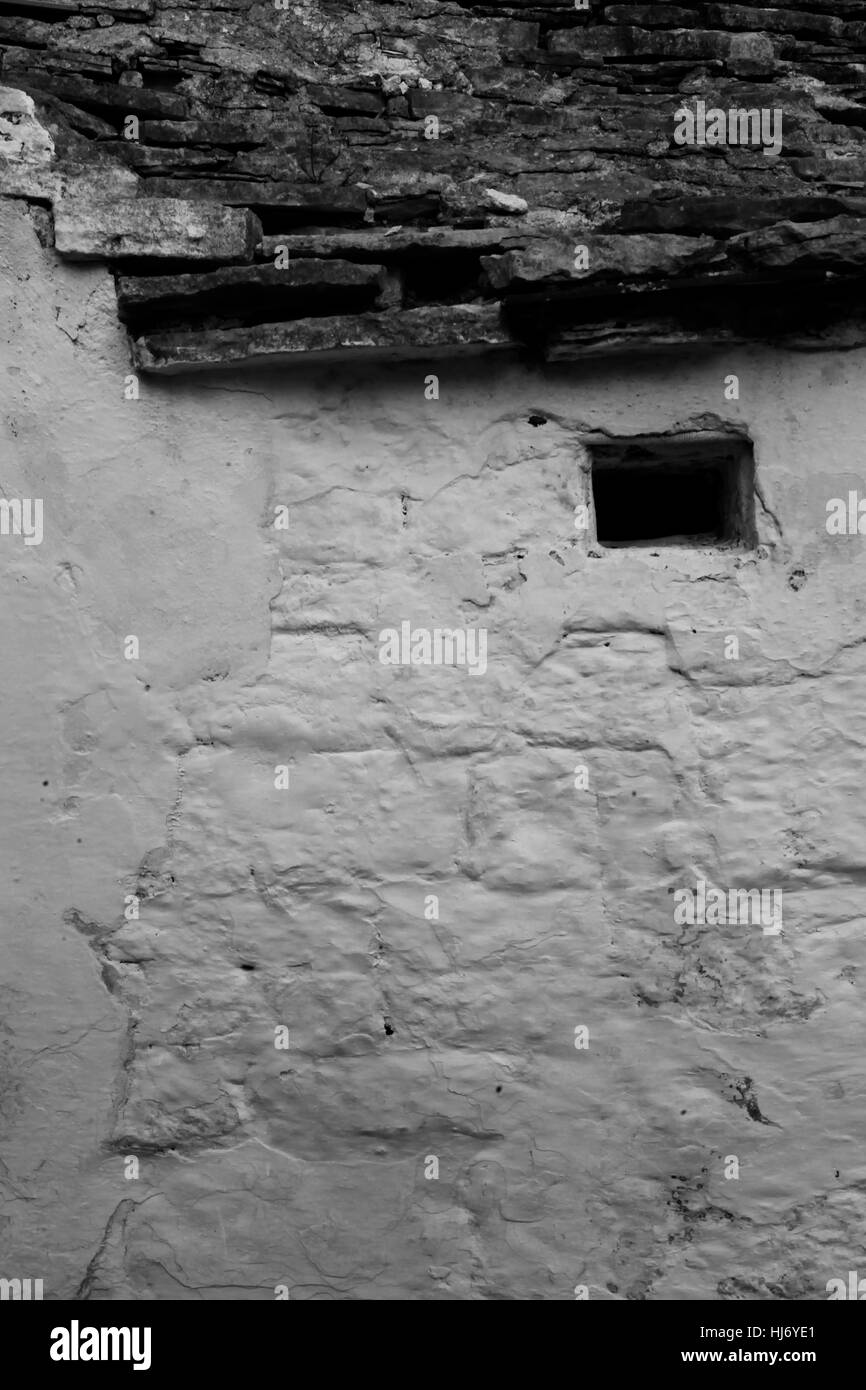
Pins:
<point x="691" y="490"/>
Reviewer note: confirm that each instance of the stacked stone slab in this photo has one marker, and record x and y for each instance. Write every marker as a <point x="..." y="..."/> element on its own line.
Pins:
<point x="468" y="154"/>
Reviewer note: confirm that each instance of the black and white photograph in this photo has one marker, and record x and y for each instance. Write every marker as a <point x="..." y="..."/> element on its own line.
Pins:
<point x="433" y="680"/>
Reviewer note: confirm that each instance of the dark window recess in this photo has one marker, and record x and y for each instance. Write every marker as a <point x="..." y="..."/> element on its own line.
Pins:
<point x="667" y="491"/>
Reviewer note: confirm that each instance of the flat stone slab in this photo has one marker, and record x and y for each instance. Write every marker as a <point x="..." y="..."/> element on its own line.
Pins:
<point x="556" y="263"/>
<point x="400" y="241"/>
<point x="837" y="243"/>
<point x="274" y="195"/>
<point x="154" y="228"/>
<point x="155" y="294"/>
<point x="122" y="9"/>
<point x="427" y="333"/>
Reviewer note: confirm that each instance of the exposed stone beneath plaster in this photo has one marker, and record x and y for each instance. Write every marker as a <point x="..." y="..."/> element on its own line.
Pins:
<point x="553" y="129"/>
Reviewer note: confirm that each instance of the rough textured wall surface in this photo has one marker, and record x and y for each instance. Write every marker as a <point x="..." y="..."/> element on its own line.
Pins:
<point x="414" y="1038"/>
<point x="427" y="171"/>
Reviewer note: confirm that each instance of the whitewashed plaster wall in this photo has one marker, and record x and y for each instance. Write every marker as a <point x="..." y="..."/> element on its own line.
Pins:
<point x="258" y="1167"/>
